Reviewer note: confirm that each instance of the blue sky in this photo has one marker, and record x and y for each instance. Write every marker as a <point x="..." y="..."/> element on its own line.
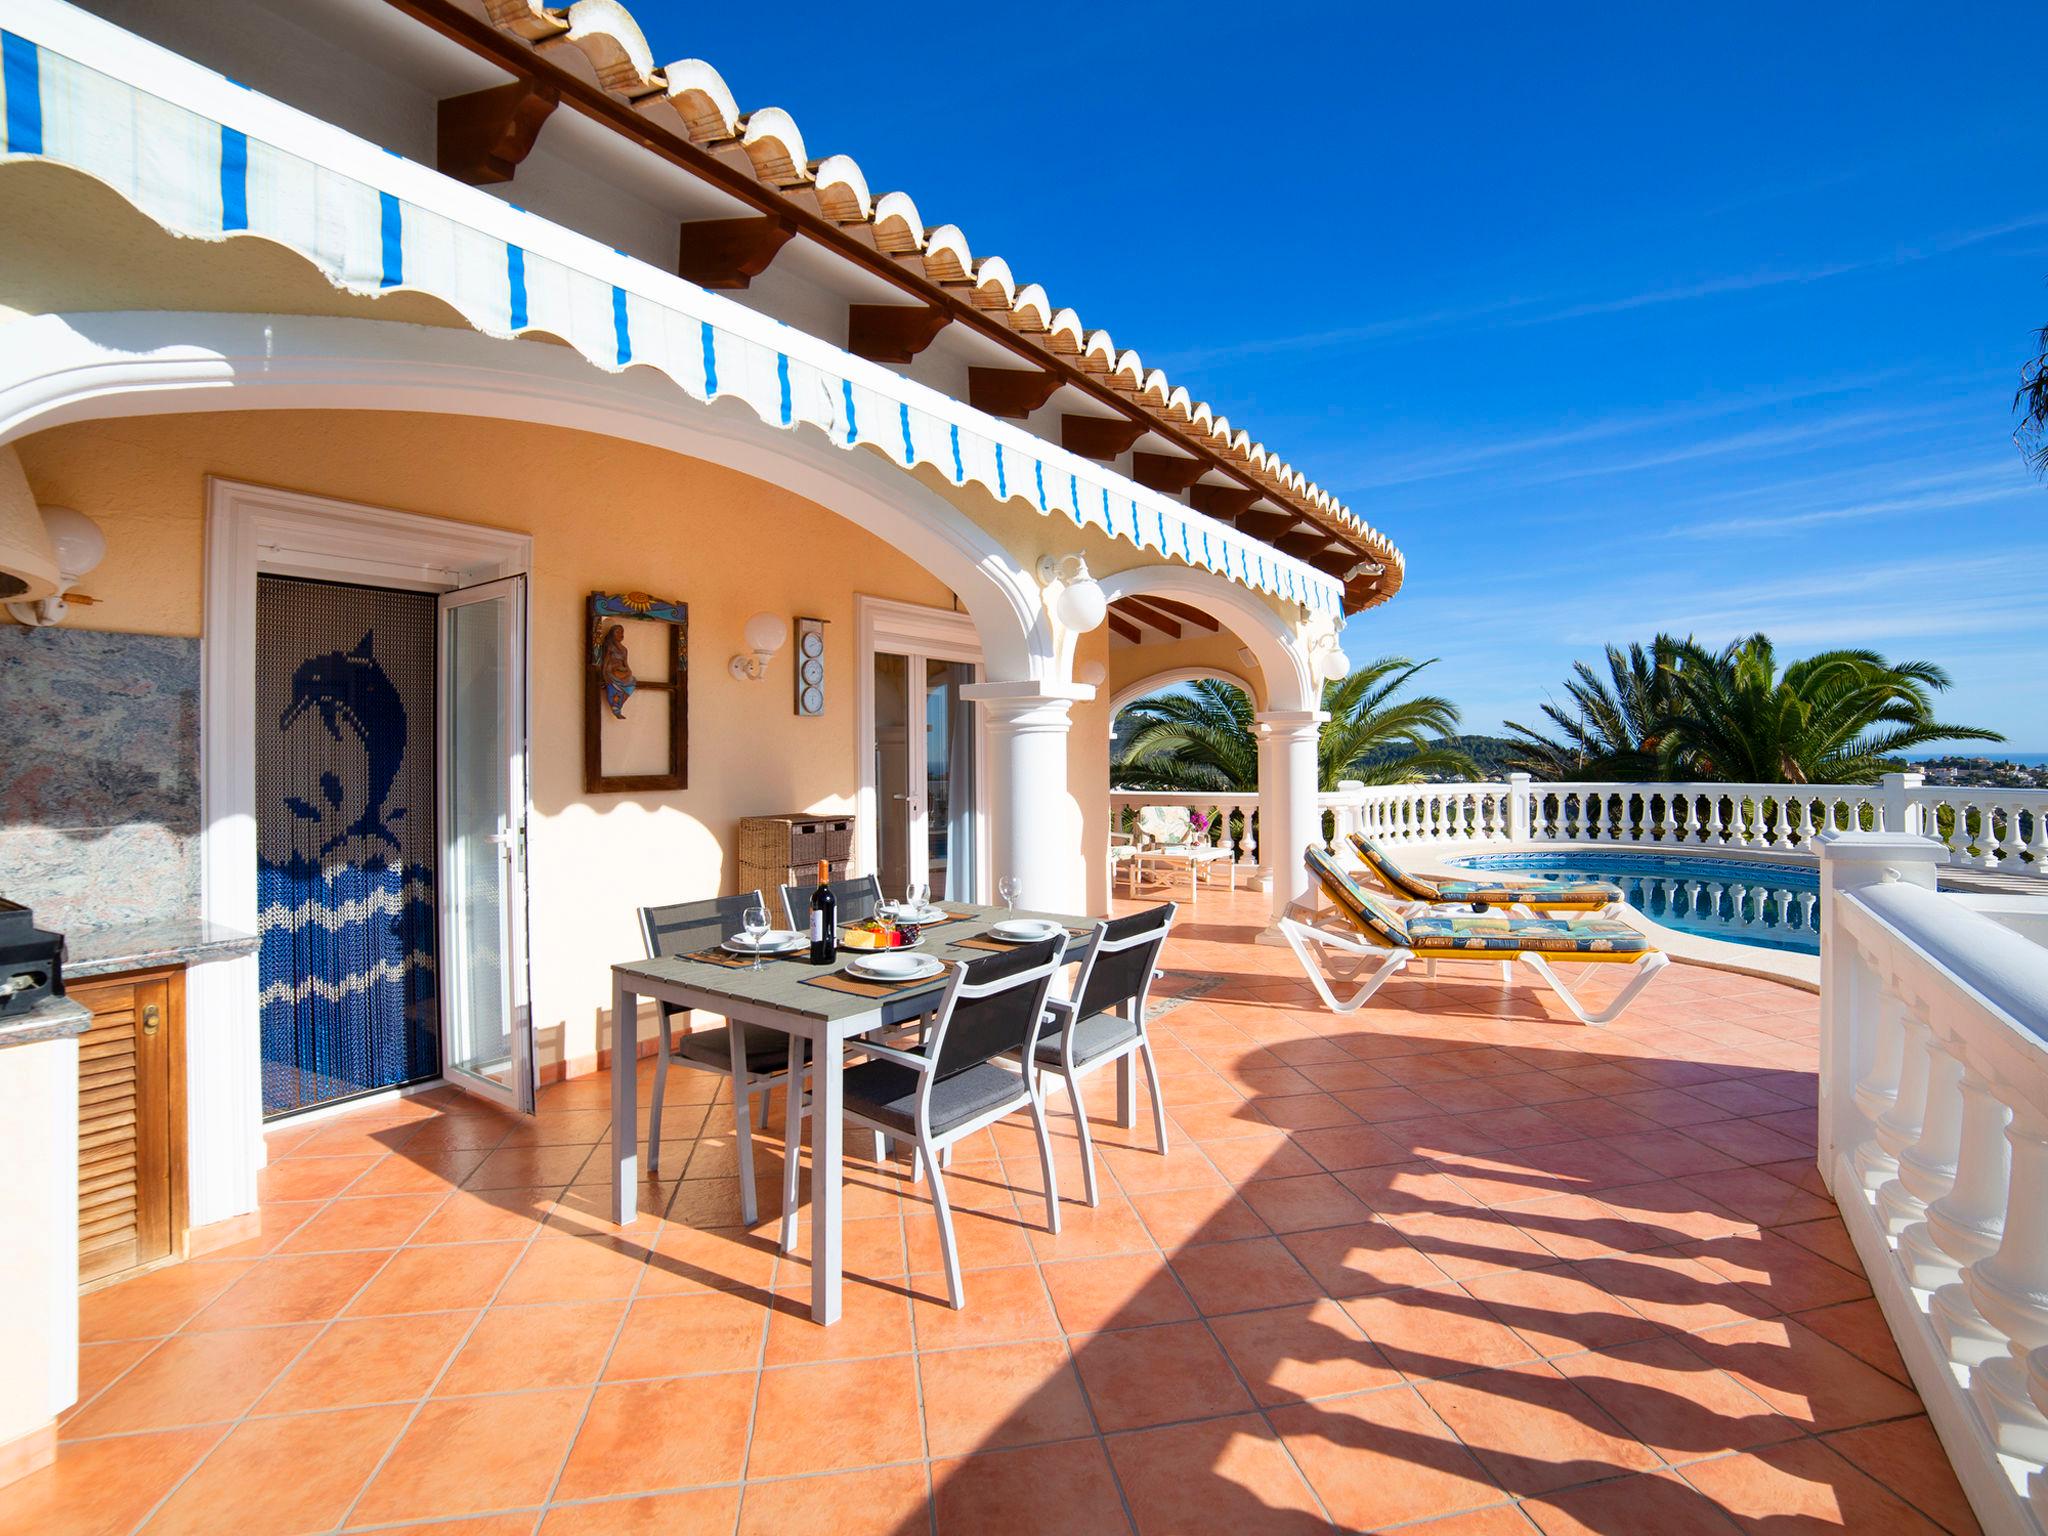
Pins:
<point x="1615" y="318"/>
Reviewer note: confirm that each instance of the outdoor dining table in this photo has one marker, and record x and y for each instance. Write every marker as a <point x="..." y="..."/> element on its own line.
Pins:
<point x="782" y="994"/>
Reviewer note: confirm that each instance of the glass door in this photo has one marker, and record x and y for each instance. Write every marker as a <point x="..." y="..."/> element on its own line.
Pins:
<point x="486" y="1018"/>
<point x="926" y="776"/>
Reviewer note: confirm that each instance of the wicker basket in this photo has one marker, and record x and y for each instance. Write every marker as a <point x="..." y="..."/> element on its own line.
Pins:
<point x="784" y="850"/>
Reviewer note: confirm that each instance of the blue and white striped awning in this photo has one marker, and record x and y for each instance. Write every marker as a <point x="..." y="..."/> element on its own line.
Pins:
<point x="207" y="158"/>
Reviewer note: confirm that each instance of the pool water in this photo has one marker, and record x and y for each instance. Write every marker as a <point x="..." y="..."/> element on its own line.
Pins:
<point x="1742" y="901"/>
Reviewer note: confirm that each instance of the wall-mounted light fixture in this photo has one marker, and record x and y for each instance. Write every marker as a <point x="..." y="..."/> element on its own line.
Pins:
<point x="1092" y="673"/>
<point x="764" y="635"/>
<point x="79" y="546"/>
<point x="1326" y="656"/>
<point x="1077" y="600"/>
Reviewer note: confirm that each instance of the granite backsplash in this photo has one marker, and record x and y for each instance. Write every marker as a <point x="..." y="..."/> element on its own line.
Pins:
<point x="99" y="776"/>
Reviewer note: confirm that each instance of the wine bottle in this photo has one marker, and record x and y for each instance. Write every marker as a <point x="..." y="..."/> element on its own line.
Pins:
<point x="824" y="919"/>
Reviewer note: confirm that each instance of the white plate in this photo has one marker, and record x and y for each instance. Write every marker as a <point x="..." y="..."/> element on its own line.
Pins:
<point x="923" y="919"/>
<point x="893" y="965"/>
<point x="1025" y="929"/>
<point x="776" y="941"/>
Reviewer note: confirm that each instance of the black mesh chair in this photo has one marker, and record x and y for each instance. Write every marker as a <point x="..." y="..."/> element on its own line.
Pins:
<point x="1104" y="1021"/>
<point x="685" y="929"/>
<point x="855" y="901"/>
<point x="961" y="1081"/>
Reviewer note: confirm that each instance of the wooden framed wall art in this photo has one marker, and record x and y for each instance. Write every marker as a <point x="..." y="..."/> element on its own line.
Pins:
<point x="636" y="713"/>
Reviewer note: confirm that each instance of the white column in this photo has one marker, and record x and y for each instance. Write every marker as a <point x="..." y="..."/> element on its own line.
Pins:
<point x="1287" y="791"/>
<point x="1034" y="821"/>
<point x="1899" y="813"/>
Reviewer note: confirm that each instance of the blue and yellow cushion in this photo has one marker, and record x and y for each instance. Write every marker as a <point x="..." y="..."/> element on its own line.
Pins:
<point x="1537" y="890"/>
<point x="1580" y="936"/>
<point x="1373" y="918"/>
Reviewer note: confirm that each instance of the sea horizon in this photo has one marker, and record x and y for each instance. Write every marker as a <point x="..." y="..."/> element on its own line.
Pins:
<point x="1989" y="754"/>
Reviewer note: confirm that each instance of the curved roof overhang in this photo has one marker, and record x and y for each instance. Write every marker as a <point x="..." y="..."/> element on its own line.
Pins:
<point x="206" y="158"/>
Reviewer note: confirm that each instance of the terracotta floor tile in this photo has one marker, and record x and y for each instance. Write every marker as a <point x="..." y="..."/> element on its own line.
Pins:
<point x="484" y="1216"/>
<point x="485" y="1525"/>
<point x="1802" y="1486"/>
<point x="99" y="1366"/>
<point x="1468" y="1243"/>
<point x="1659" y="1392"/>
<point x="299" y="1473"/>
<point x="577" y="1268"/>
<point x="1179" y="1217"/>
<point x="528" y="1167"/>
<point x="1670" y="1213"/>
<point x="292" y="1289"/>
<point x="1089" y="1231"/>
<point x="1003" y="1305"/>
<point x="1271" y="1155"/>
<point x="709" y="1258"/>
<point x="370" y="1360"/>
<point x="1223" y="1477"/>
<point x="1653" y="1501"/>
<point x="1310" y="1350"/>
<point x="418" y="1173"/>
<point x="198" y="1378"/>
<point x="156" y="1303"/>
<point x="1860" y="1328"/>
<point x="1427" y="1332"/>
<point x="1674" y="1291"/>
<point x="1499" y="1520"/>
<point x="883" y="1501"/>
<point x="470" y="1454"/>
<point x="438" y="1278"/>
<point x="311" y="1178"/>
<point x="1907" y="1458"/>
<point x="1001" y="1395"/>
<point x="1362" y="1259"/>
<point x="1302" y="1204"/>
<point x="1759" y="1196"/>
<point x="1239" y="1277"/>
<point x="1144" y="1376"/>
<point x="986" y="1240"/>
<point x="1008" y="1493"/>
<point x="1120" y="1291"/>
<point x="1534" y="1431"/>
<point x="874" y="1320"/>
<point x="103" y="1487"/>
<point x="520" y="1349"/>
<point x="1812" y="1382"/>
<point x="690" y="1333"/>
<point x="1139" y="1169"/>
<point x="1558" y="1310"/>
<point x="644" y="1435"/>
<point x="380" y="1221"/>
<point x="1382" y="1458"/>
<point x="874" y="1417"/>
<point x="1781" y="1273"/>
<point x="700" y="1512"/>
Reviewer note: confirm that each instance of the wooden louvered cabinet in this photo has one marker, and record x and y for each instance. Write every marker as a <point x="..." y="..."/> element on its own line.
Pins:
<point x="131" y="1122"/>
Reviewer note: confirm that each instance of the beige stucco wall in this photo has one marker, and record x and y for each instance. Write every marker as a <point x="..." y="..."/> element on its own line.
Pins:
<point x="1216" y="654"/>
<point x="604" y="515"/>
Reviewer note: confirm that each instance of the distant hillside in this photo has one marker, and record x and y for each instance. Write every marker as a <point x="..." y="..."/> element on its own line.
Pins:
<point x="1493" y="754"/>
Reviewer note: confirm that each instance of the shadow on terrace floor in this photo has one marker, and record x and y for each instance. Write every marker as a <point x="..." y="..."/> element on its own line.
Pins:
<point x="1450" y="1260"/>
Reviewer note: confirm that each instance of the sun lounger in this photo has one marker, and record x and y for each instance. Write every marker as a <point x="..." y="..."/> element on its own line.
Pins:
<point x="1537" y="893"/>
<point x="1362" y="939"/>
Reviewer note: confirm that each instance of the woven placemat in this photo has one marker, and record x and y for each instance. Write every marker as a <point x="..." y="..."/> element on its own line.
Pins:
<point x="990" y="941"/>
<point x="838" y="981"/>
<point x="733" y="962"/>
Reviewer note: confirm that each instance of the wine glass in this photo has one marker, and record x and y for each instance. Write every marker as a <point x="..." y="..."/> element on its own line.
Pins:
<point x="915" y="897"/>
<point x="1009" y="888"/>
<point x="755" y="921"/>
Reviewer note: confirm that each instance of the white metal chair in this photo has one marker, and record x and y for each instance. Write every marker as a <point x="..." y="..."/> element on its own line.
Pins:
<point x="957" y="1084"/>
<point x="1104" y="1021"/>
<point x="1166" y="834"/>
<point x="685" y="928"/>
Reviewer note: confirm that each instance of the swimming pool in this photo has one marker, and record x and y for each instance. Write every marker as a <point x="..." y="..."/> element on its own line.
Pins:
<point x="1743" y="901"/>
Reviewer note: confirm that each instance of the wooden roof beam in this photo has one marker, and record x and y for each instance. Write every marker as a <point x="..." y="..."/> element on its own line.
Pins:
<point x="1011" y="392"/>
<point x="1187" y="613"/>
<point x="1145" y="613"/>
<point x="1099" y="437"/>
<point x="1125" y="628"/>
<point x="730" y="253"/>
<point x="1308" y="546"/>
<point x="1164" y="472"/>
<point x="1225" y="501"/>
<point x="892" y="333"/>
<point x="1266" y="525"/>
<point x="480" y="138"/>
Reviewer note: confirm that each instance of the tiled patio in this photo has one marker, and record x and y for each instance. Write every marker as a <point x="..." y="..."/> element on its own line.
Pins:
<point x="1451" y="1264"/>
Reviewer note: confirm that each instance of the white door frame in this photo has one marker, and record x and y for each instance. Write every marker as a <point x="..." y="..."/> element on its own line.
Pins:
<point x="909" y="629"/>
<point x="256" y="530"/>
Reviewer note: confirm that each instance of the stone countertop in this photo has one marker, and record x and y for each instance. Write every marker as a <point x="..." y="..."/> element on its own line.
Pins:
<point x="54" y="1018"/>
<point x="139" y="946"/>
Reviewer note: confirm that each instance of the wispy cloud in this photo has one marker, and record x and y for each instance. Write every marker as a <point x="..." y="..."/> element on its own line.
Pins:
<point x="1985" y="485"/>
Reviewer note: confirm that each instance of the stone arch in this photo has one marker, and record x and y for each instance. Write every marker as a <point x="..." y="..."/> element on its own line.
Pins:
<point x="1283" y="662"/>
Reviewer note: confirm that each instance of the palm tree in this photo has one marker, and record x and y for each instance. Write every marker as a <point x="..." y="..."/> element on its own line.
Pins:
<point x="1614" y="729"/>
<point x="1206" y="739"/>
<point x="1839" y="717"/>
<point x="2032" y="404"/>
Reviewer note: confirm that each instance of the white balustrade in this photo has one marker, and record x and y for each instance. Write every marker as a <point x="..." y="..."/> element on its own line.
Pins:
<point x="1934" y="1141"/>
<point x="1220" y="813"/>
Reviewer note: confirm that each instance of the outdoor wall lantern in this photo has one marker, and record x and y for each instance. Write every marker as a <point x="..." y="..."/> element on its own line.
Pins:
<point x="764" y="635"/>
<point x="1077" y="600"/>
<point x="1326" y="654"/>
<point x="79" y="546"/>
<point x="1091" y="673"/>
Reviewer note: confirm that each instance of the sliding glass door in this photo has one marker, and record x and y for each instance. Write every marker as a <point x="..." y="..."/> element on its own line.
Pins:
<point x="927" y="775"/>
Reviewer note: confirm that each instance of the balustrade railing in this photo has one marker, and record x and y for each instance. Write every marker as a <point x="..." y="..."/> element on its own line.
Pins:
<point x="1229" y="822"/>
<point x="1934" y="1141"/>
